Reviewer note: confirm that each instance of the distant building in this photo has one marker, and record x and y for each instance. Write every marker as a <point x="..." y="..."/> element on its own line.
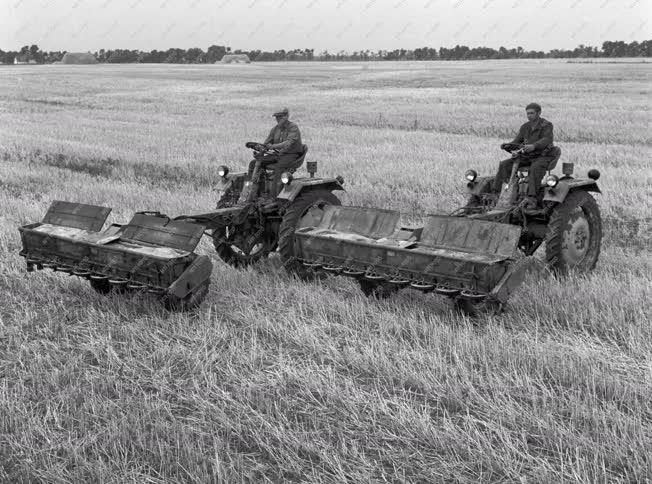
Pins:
<point x="235" y="59"/>
<point x="78" y="58"/>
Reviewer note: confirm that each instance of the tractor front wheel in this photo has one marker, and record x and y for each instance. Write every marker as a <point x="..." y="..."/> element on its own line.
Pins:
<point x="240" y="249"/>
<point x="574" y="234"/>
<point x="305" y="210"/>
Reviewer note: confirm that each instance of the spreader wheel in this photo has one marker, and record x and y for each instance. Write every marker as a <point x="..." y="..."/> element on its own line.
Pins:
<point x="574" y="234"/>
<point x="101" y="286"/>
<point x="307" y="203"/>
<point x="377" y="289"/>
<point x="475" y="309"/>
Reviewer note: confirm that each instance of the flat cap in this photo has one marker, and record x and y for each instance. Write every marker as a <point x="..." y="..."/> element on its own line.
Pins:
<point x="282" y="112"/>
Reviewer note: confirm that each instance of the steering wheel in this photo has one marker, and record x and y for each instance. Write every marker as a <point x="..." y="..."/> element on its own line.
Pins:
<point x="259" y="147"/>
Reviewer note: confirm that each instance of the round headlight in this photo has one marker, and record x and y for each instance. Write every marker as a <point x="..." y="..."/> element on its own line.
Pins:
<point x="286" y="178"/>
<point x="471" y="175"/>
<point x="594" y="174"/>
<point x="223" y="171"/>
<point x="552" y="180"/>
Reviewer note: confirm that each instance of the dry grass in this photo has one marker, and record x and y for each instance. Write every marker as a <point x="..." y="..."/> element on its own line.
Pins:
<point x="278" y="380"/>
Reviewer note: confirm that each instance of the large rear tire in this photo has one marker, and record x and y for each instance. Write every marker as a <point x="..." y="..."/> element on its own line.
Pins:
<point x="574" y="234"/>
<point x="314" y="200"/>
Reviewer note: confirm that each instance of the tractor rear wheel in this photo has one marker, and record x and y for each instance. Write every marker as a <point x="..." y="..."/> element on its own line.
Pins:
<point x="313" y="201"/>
<point x="574" y="234"/>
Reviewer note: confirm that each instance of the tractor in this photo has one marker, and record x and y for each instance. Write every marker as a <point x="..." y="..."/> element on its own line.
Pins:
<point x="566" y="216"/>
<point x="154" y="253"/>
<point x="255" y="216"/>
<point x="477" y="255"/>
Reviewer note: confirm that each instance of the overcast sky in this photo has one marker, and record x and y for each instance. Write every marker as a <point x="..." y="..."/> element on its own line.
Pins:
<point x="81" y="25"/>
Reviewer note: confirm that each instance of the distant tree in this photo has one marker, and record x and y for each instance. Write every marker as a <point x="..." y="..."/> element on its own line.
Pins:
<point x="194" y="55"/>
<point x="121" y="56"/>
<point x="215" y="53"/>
<point x="35" y="53"/>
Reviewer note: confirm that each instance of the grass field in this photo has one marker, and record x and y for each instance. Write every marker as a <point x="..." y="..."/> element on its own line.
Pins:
<point x="279" y="380"/>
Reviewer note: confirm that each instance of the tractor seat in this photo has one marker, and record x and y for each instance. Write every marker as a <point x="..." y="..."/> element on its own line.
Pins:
<point x="269" y="169"/>
<point x="555" y="152"/>
<point x="302" y="157"/>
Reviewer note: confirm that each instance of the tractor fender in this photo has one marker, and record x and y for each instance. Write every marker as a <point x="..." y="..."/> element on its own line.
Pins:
<point x="296" y="186"/>
<point x="564" y="187"/>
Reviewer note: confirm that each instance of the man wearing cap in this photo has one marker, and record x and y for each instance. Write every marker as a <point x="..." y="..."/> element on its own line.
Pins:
<point x="285" y="137"/>
<point x="535" y="138"/>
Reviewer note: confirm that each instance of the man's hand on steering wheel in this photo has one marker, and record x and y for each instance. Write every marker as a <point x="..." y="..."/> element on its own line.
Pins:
<point x="260" y="147"/>
<point x="528" y="148"/>
<point x="509" y="147"/>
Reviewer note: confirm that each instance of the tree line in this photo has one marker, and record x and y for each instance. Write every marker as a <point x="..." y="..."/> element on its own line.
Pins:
<point x="214" y="53"/>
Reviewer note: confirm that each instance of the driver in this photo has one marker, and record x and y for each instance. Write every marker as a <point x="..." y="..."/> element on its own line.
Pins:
<point x="286" y="139"/>
<point x="535" y="138"/>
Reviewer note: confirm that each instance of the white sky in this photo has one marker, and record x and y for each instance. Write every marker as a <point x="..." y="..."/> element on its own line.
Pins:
<point x="80" y="25"/>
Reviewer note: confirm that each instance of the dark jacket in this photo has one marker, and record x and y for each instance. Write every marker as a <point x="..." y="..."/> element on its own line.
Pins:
<point x="538" y="134"/>
<point x="288" y="136"/>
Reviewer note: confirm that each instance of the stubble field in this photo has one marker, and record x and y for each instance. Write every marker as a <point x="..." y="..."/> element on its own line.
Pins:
<point x="274" y="379"/>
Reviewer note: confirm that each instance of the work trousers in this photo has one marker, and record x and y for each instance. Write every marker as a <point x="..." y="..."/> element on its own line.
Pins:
<point x="537" y="170"/>
<point x="278" y="163"/>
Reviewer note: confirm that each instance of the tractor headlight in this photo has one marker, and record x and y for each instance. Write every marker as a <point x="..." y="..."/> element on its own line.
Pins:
<point x="552" y="180"/>
<point x="471" y="175"/>
<point x="286" y="178"/>
<point x="223" y="171"/>
<point x="594" y="174"/>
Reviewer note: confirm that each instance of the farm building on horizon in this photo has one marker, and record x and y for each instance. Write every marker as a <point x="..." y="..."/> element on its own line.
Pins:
<point x="235" y="59"/>
<point x="78" y="58"/>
